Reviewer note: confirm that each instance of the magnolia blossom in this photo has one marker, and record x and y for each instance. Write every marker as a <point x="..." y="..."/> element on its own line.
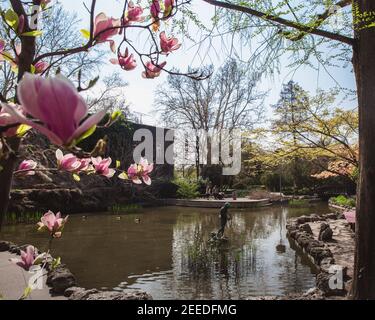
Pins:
<point x="105" y="28"/>
<point x="134" y="13"/>
<point x="141" y="171"/>
<point x="155" y="10"/>
<point x="127" y="62"/>
<point x="52" y="223"/>
<point x="58" y="105"/>
<point x="168" y="44"/>
<point x="27" y="258"/>
<point x="21" y="23"/>
<point x="68" y="162"/>
<point x="41" y="66"/>
<point x="2" y="45"/>
<point x="8" y="119"/>
<point x="26" y="167"/>
<point x="152" y="71"/>
<point x="168" y="6"/>
<point x="350" y="216"/>
<point x="84" y="164"/>
<point x="101" y="167"/>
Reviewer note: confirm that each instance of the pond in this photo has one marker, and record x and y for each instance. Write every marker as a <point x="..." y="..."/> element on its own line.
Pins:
<point x="165" y="252"/>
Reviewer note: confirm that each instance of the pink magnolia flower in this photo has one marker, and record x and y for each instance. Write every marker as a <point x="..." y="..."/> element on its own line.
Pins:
<point x="41" y="66"/>
<point x="350" y="216"/>
<point x="155" y="9"/>
<point x="57" y="104"/>
<point x="141" y="171"/>
<point x="26" y="167"/>
<point x="105" y="28"/>
<point x="127" y="62"/>
<point x="2" y="45"/>
<point x="27" y="258"/>
<point x="168" y="44"/>
<point x="68" y="162"/>
<point x="168" y="6"/>
<point x="21" y="23"/>
<point x="134" y="13"/>
<point x="101" y="167"/>
<point x="52" y="223"/>
<point x="8" y="119"/>
<point x="152" y="71"/>
<point x="84" y="164"/>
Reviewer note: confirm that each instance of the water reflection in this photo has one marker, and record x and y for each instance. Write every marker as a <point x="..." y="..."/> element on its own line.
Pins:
<point x="165" y="251"/>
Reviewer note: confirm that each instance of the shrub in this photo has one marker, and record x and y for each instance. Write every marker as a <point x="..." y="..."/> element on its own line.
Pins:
<point x="187" y="189"/>
<point x="343" y="201"/>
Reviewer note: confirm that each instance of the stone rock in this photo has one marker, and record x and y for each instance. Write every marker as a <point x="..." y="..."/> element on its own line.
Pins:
<point x="314" y="217"/>
<point x="306" y="227"/>
<point x="303" y="219"/>
<point x="61" y="279"/>
<point x="95" y="294"/>
<point x="313" y="244"/>
<point x="14" y="249"/>
<point x="82" y="294"/>
<point x="73" y="290"/>
<point x="332" y="216"/>
<point x="5" y="245"/>
<point x="303" y="239"/>
<point x="324" y="281"/>
<point x="319" y="253"/>
<point x="325" y="233"/>
<point x="326" y="264"/>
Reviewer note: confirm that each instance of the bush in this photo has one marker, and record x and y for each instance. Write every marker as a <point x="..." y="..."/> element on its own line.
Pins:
<point x="343" y="201"/>
<point x="187" y="189"/>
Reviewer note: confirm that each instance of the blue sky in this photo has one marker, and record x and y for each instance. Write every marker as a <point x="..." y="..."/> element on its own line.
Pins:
<point x="140" y="92"/>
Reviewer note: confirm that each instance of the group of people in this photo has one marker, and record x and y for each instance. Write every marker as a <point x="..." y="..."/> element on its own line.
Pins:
<point x="214" y="192"/>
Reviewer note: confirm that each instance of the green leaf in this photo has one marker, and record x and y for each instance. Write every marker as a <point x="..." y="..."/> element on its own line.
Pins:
<point x="26" y="293"/>
<point x="118" y="164"/>
<point x="86" y="134"/>
<point x="85" y="33"/>
<point x="55" y="263"/>
<point x="116" y="114"/>
<point x="35" y="33"/>
<point x="123" y="176"/>
<point x="22" y="130"/>
<point x="76" y="177"/>
<point x="32" y="69"/>
<point x="93" y="82"/>
<point x="11" y="19"/>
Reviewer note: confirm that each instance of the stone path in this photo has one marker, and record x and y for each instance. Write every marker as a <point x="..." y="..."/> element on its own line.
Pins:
<point x="342" y="246"/>
<point x="13" y="281"/>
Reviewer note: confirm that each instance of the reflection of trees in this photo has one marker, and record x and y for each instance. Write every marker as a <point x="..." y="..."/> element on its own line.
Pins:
<point x="249" y="262"/>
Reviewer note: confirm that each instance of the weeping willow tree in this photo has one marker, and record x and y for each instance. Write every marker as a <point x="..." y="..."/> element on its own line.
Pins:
<point x="321" y="34"/>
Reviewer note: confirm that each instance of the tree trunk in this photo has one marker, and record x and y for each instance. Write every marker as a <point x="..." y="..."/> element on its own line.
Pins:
<point x="6" y="175"/>
<point x="25" y="61"/>
<point x="364" y="52"/>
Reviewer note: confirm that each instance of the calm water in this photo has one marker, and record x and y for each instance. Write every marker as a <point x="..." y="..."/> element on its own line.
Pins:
<point x="164" y="251"/>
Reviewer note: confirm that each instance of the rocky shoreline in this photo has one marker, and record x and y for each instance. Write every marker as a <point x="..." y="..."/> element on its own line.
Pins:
<point x="328" y="241"/>
<point x="62" y="282"/>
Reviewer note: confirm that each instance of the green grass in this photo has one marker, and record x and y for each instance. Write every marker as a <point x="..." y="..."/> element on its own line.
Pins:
<point x="12" y="218"/>
<point x="126" y="208"/>
<point x="298" y="203"/>
<point x="343" y="201"/>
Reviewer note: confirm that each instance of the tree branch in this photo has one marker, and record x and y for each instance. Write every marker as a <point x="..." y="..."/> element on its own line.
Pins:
<point x="298" y="26"/>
